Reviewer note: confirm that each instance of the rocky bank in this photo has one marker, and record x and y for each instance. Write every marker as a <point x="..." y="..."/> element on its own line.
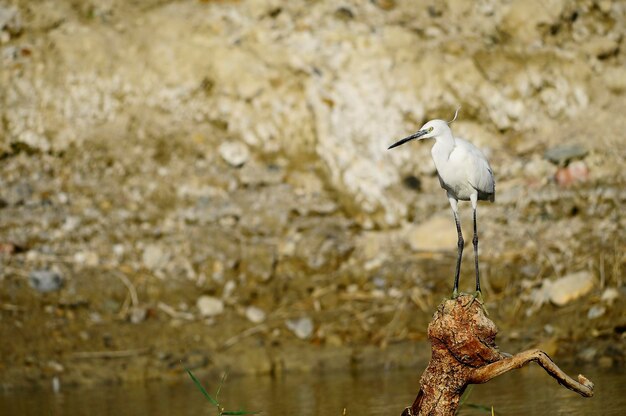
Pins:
<point x="207" y="182"/>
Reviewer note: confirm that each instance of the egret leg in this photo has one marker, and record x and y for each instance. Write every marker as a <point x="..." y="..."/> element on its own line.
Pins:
<point x="460" y="245"/>
<point x="474" y="199"/>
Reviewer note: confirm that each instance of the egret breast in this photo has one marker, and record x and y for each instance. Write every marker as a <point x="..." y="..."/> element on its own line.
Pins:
<point x="455" y="181"/>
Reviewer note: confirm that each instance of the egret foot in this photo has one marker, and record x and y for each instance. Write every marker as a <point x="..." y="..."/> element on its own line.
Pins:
<point x="455" y="294"/>
<point x="478" y="296"/>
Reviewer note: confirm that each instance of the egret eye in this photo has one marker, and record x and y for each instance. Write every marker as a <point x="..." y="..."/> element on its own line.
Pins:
<point x="430" y="129"/>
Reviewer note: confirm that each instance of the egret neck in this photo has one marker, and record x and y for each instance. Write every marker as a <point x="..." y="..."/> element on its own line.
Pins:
<point x="444" y="144"/>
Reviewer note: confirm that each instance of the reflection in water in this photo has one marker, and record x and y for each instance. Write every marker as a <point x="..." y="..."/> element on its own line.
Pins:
<point x="524" y="392"/>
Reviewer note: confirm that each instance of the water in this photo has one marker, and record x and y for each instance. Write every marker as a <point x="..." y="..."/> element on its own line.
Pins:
<point x="524" y="392"/>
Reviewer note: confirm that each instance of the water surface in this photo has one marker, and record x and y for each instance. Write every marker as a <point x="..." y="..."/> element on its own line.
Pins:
<point x="524" y="392"/>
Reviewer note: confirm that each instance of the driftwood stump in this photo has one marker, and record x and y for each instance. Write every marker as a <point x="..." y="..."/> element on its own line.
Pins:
<point x="464" y="352"/>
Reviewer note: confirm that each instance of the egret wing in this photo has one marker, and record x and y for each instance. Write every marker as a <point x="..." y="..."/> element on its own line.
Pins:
<point x="480" y="174"/>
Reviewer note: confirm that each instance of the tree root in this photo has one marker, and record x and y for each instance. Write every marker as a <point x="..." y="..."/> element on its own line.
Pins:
<point x="464" y="352"/>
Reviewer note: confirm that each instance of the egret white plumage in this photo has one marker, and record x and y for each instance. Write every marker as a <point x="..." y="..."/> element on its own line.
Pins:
<point x="464" y="173"/>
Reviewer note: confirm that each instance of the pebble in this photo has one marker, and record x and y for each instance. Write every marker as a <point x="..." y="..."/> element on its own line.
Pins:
<point x="255" y="315"/>
<point x="95" y="318"/>
<point x="235" y="154"/>
<point x="229" y="289"/>
<point x="570" y="287"/>
<point x="573" y="173"/>
<point x="210" y="306"/>
<point x="138" y="315"/>
<point x="561" y="155"/>
<point x="87" y="258"/>
<point x="154" y="257"/>
<point x="71" y="223"/>
<point x="254" y="174"/>
<point x="118" y="250"/>
<point x="395" y="293"/>
<point x="302" y="327"/>
<point x="55" y="366"/>
<point x="8" y="248"/>
<point x="548" y="329"/>
<point x="379" y="282"/>
<point x="610" y="295"/>
<point x="45" y="281"/>
<point x="10" y="20"/>
<point x="596" y="311"/>
<point x="56" y="384"/>
<point x="588" y="354"/>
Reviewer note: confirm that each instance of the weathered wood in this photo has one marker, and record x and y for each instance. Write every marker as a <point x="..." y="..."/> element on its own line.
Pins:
<point x="464" y="352"/>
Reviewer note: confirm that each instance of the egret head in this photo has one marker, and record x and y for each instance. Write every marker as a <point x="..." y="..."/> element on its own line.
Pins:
<point x="429" y="130"/>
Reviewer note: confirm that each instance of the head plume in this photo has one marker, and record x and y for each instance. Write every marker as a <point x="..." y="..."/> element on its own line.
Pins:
<point x="456" y="113"/>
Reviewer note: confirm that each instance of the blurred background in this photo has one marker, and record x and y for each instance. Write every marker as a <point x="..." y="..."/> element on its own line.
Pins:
<point x="206" y="184"/>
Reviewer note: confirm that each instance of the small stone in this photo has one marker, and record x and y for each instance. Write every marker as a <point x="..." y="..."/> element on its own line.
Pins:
<point x="71" y="223"/>
<point x="235" y="154"/>
<point x="56" y="384"/>
<point x="575" y="172"/>
<point x="8" y="248"/>
<point x="218" y="271"/>
<point x="138" y="315"/>
<point x="118" y="250"/>
<point x="561" y="155"/>
<point x="87" y="258"/>
<point x="302" y="327"/>
<point x="596" y="311"/>
<point x="95" y="317"/>
<point x="588" y="354"/>
<point x="379" y="282"/>
<point x="255" y="315"/>
<point x="610" y="295"/>
<point x="45" y="281"/>
<point x="154" y="257"/>
<point x="377" y="294"/>
<point x="229" y="289"/>
<point x="210" y="306"/>
<point x="55" y="366"/>
<point x="10" y="20"/>
<point x="255" y="174"/>
<point x="395" y="293"/>
<point x="570" y="287"/>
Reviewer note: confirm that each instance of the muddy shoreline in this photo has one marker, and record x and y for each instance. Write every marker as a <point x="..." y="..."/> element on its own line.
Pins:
<point x="207" y="182"/>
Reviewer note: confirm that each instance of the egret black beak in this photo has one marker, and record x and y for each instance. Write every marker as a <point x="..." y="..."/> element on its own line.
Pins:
<point x="408" y="139"/>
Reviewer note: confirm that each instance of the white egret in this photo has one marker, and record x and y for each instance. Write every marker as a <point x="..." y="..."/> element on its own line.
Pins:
<point x="464" y="173"/>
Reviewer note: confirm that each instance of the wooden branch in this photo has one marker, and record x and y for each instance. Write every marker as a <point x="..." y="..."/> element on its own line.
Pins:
<point x="464" y="352"/>
<point x="583" y="386"/>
